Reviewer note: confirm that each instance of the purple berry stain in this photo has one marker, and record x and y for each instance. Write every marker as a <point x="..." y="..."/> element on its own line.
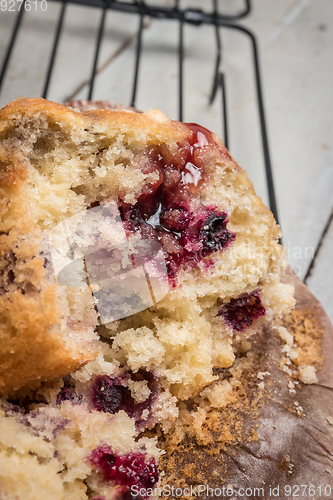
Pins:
<point x="67" y="393"/>
<point x="133" y="469"/>
<point x="163" y="211"/>
<point x="240" y="313"/>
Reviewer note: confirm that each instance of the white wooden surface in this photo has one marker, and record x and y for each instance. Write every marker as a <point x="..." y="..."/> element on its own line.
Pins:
<point x="295" y="39"/>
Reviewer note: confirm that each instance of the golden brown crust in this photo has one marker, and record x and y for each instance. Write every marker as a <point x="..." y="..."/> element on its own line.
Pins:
<point x="156" y="126"/>
<point x="32" y="350"/>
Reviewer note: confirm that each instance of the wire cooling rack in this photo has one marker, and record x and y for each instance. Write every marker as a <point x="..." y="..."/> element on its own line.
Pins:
<point x="216" y="19"/>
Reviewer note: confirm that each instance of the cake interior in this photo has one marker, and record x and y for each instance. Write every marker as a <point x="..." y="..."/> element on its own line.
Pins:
<point x="174" y="184"/>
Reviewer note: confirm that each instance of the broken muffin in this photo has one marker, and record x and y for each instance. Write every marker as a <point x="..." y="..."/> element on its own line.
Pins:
<point x="136" y="259"/>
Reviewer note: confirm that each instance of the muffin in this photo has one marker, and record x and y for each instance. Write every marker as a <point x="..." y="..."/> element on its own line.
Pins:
<point x="136" y="261"/>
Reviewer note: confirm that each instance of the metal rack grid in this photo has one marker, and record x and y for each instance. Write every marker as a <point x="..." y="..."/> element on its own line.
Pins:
<point x="196" y="17"/>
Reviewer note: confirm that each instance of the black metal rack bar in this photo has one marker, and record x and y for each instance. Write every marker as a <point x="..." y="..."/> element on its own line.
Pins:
<point x="319" y="245"/>
<point x="218" y="55"/>
<point x="11" y="43"/>
<point x="181" y="61"/>
<point x="137" y="59"/>
<point x="98" y="45"/>
<point x="262" y="119"/>
<point x="194" y="16"/>
<point x="54" y="48"/>
<point x="221" y="81"/>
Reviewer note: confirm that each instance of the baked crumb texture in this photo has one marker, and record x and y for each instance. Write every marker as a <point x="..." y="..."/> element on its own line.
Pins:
<point x="50" y="453"/>
<point x="245" y="428"/>
<point x="99" y="386"/>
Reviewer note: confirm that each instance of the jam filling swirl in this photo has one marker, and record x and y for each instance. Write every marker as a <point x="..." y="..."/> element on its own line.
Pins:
<point x="169" y="210"/>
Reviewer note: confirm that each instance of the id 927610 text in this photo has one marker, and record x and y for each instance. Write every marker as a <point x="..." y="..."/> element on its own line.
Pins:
<point x="27" y="5"/>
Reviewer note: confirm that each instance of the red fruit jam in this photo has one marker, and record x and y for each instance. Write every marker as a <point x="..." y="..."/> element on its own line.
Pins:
<point x="169" y="211"/>
<point x="240" y="313"/>
<point x="133" y="469"/>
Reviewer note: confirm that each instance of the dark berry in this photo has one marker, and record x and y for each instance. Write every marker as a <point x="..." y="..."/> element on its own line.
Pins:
<point x="66" y="394"/>
<point x="240" y="313"/>
<point x="214" y="233"/>
<point x="133" y="469"/>
<point x="107" y="394"/>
